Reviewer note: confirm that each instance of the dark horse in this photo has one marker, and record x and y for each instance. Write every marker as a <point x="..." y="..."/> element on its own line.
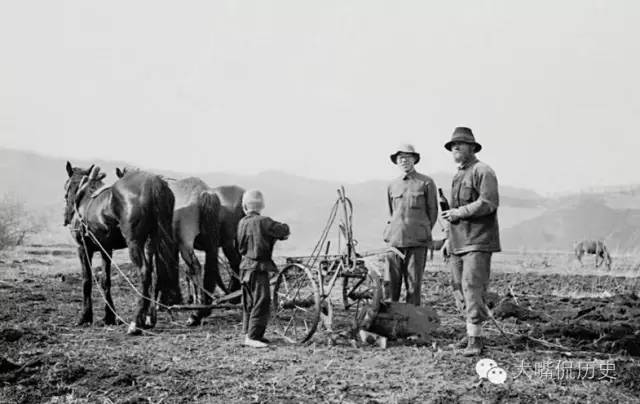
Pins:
<point x="231" y="212"/>
<point x="135" y="212"/>
<point x="205" y="219"/>
<point x="595" y="247"/>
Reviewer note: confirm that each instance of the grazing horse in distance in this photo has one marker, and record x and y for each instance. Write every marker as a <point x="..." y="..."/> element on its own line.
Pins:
<point x="134" y="213"/>
<point x="436" y="245"/>
<point x="205" y="219"/>
<point x="596" y="247"/>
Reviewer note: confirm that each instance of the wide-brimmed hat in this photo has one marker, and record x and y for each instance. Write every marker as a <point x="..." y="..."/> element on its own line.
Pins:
<point x="408" y="149"/>
<point x="462" y="134"/>
<point x="252" y="200"/>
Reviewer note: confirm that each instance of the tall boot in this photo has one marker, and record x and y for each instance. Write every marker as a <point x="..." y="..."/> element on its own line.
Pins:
<point x="474" y="347"/>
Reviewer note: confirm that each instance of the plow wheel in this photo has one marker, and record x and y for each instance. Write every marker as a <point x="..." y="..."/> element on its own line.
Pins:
<point x="296" y="304"/>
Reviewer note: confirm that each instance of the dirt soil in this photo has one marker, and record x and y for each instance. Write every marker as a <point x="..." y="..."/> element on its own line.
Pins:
<point x="551" y="320"/>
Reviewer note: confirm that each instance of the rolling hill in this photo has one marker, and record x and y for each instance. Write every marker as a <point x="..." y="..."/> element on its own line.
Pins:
<point x="527" y="220"/>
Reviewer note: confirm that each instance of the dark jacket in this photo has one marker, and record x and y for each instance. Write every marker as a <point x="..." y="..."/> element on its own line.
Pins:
<point x="413" y="206"/>
<point x="474" y="191"/>
<point x="256" y="237"/>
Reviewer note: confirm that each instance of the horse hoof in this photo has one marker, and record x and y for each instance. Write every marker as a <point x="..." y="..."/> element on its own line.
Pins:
<point x="133" y="329"/>
<point x="193" y="321"/>
<point x="84" y="320"/>
<point x="111" y="321"/>
<point x="149" y="322"/>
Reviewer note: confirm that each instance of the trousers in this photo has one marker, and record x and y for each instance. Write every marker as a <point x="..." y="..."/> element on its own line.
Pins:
<point x="256" y="304"/>
<point x="408" y="270"/>
<point x="470" y="277"/>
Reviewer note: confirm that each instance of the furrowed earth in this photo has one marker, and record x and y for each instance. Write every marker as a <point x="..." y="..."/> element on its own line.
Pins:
<point x="570" y="335"/>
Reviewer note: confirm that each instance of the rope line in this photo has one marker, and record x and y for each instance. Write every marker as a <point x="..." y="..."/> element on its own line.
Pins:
<point x="95" y="240"/>
<point x="101" y="289"/>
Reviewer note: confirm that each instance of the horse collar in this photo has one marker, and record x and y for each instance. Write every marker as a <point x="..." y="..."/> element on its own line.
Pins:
<point x="100" y="190"/>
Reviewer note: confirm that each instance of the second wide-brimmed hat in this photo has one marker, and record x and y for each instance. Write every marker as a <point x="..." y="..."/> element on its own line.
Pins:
<point x="462" y="134"/>
<point x="408" y="149"/>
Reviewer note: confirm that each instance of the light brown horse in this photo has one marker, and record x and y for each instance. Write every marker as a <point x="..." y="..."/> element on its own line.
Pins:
<point x="196" y="220"/>
<point x="596" y="247"/>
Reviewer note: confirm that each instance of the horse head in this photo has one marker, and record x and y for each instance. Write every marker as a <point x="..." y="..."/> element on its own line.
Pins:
<point x="121" y="172"/>
<point x="78" y="179"/>
<point x="71" y="189"/>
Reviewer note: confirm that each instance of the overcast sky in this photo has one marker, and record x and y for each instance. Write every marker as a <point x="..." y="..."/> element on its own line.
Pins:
<point x="328" y="89"/>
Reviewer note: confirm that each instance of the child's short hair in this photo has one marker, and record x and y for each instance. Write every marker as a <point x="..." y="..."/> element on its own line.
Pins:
<point x="252" y="201"/>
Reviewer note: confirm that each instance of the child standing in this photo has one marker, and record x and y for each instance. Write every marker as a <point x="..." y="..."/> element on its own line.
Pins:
<point x="256" y="236"/>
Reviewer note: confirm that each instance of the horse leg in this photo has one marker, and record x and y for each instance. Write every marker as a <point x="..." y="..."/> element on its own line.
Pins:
<point x="194" y="272"/>
<point x="194" y="280"/>
<point x="145" y="299"/>
<point x="210" y="279"/>
<point x="109" y="308"/>
<point x="85" y="256"/>
<point x="185" y="232"/>
<point x="234" y="258"/>
<point x="152" y="312"/>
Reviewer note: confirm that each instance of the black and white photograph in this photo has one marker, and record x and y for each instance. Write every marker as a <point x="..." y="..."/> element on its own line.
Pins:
<point x="294" y="201"/>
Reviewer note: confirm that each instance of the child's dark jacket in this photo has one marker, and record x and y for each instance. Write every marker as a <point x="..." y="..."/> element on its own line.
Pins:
<point x="256" y="236"/>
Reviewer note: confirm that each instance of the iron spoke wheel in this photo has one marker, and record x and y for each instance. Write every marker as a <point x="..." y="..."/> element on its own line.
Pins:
<point x="296" y="304"/>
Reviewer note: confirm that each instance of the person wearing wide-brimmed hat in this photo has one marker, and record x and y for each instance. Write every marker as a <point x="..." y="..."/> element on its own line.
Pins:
<point x="473" y="233"/>
<point x="413" y="207"/>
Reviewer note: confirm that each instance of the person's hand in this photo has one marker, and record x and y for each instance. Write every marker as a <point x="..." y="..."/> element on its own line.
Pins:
<point x="451" y="215"/>
<point x="446" y="248"/>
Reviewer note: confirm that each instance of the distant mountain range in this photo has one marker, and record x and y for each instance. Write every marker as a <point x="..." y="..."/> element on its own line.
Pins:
<point x="527" y="220"/>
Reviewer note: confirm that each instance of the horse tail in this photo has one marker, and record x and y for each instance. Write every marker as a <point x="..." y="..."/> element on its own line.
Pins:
<point x="163" y="242"/>
<point x="210" y="228"/>
<point x="209" y="205"/>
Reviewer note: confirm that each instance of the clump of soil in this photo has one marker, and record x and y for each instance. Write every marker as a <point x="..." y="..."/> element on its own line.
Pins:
<point x="65" y="372"/>
<point x="11" y="334"/>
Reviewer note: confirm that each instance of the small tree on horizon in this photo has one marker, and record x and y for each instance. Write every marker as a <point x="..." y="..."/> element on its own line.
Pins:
<point x="16" y="222"/>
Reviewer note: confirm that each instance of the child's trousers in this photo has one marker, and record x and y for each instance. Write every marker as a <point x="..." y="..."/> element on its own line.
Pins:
<point x="256" y="302"/>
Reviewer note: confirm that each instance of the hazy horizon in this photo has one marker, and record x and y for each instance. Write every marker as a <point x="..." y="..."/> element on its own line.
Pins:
<point x="75" y="160"/>
<point x="328" y="90"/>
